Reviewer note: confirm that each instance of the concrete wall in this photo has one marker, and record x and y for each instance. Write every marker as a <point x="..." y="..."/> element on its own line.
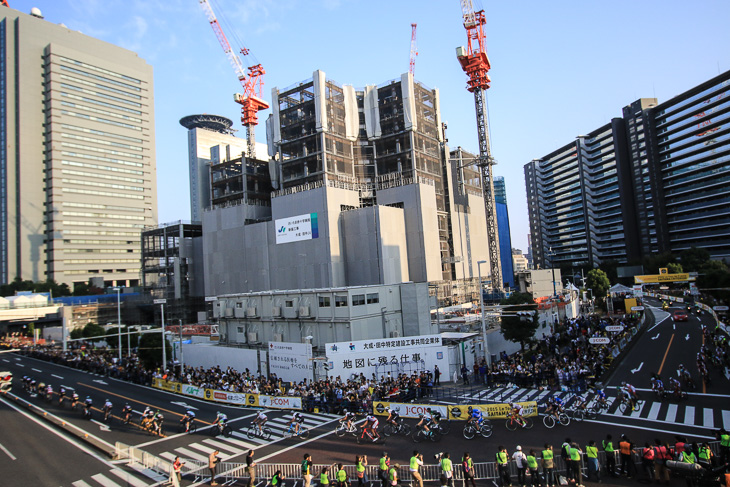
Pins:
<point x="207" y="356"/>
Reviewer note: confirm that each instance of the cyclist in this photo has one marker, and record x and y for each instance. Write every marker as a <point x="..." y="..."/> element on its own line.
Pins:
<point x="601" y="399"/>
<point x="32" y="386"/>
<point x="147" y="416"/>
<point x="26" y="382"/>
<point x="61" y="394"/>
<point x="49" y="392"/>
<point x="296" y="420"/>
<point x="656" y="384"/>
<point x="41" y="389"/>
<point x="555" y="407"/>
<point x="188" y="419"/>
<point x="425" y="420"/>
<point x="392" y="417"/>
<point x="157" y="423"/>
<point x="371" y="426"/>
<point x="259" y="421"/>
<point x="629" y="392"/>
<point x="126" y="413"/>
<point x="107" y="408"/>
<point x="220" y="420"/>
<point x="475" y="416"/>
<point x="517" y="413"/>
<point x="348" y="419"/>
<point x="74" y="400"/>
<point x="87" y="405"/>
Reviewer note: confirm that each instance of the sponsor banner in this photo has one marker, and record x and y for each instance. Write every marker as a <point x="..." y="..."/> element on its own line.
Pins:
<point x="166" y="385"/>
<point x="653" y="278"/>
<point x="296" y="228"/>
<point x="637" y="308"/>
<point x="599" y="340"/>
<point x="720" y="308"/>
<point x="382" y="344"/>
<point x="190" y="390"/>
<point x="614" y="328"/>
<point x="491" y="411"/>
<point x="240" y="398"/>
<point x="280" y="402"/>
<point x="408" y="410"/>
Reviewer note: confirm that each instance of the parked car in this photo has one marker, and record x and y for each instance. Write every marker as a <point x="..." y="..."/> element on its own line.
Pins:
<point x="679" y="315"/>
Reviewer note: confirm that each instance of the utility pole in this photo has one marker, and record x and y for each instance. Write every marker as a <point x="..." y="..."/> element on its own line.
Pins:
<point x="162" y="302"/>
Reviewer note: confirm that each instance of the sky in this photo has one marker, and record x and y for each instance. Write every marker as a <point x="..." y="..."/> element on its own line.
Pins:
<point x="559" y="68"/>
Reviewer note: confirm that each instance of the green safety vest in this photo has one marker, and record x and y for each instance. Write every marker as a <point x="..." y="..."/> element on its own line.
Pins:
<point x="275" y="480"/>
<point x="688" y="458"/>
<point x="608" y="446"/>
<point x="414" y="464"/>
<point x="305" y="467"/>
<point x="341" y="475"/>
<point x="531" y="462"/>
<point x="575" y="454"/>
<point x="360" y="467"/>
<point x="446" y="465"/>
<point x="705" y="453"/>
<point x="393" y="474"/>
<point x="469" y="463"/>
<point x="501" y="458"/>
<point x="323" y="479"/>
<point x="725" y="440"/>
<point x="591" y="452"/>
<point x="547" y="459"/>
<point x="383" y="464"/>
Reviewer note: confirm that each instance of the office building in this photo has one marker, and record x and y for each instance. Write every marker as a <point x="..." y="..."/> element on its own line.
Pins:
<point x="519" y="261"/>
<point x="650" y="181"/>
<point x="365" y="192"/>
<point x="505" y="240"/>
<point x="77" y="158"/>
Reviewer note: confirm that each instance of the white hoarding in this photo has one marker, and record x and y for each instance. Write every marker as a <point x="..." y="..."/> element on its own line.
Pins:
<point x="381" y="357"/>
<point x="296" y="228"/>
<point x="292" y="362"/>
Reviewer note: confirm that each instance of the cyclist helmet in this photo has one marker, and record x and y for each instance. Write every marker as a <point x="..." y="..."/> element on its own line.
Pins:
<point x="428" y="410"/>
<point x="470" y="409"/>
<point x="345" y="411"/>
<point x="387" y="409"/>
<point x="623" y="383"/>
<point x="217" y="413"/>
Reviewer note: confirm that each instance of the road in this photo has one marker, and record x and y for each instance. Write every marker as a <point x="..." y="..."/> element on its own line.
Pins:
<point x="696" y="418"/>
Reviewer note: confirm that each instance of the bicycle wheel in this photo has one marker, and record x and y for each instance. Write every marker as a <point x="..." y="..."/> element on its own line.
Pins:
<point x="564" y="419"/>
<point x="578" y="415"/>
<point x="417" y="436"/>
<point x="251" y="432"/>
<point x="434" y="436"/>
<point x="623" y="407"/>
<point x="590" y="413"/>
<point x="548" y="420"/>
<point x="193" y="428"/>
<point x="510" y="424"/>
<point x="405" y="429"/>
<point x="528" y="423"/>
<point x="227" y="431"/>
<point x="444" y="427"/>
<point x="341" y="431"/>
<point x="303" y="432"/>
<point x="486" y="430"/>
<point x="388" y="430"/>
<point x="469" y="432"/>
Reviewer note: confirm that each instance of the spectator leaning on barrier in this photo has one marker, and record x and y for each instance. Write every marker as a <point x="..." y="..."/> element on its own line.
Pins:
<point x="662" y="453"/>
<point x="384" y="467"/>
<point x="276" y="479"/>
<point x="212" y="462"/>
<point x="610" y="455"/>
<point x="532" y="467"/>
<point x="393" y="475"/>
<point x="503" y="466"/>
<point x="324" y="476"/>
<point x="341" y="476"/>
<point x="447" y="469"/>
<point x="594" y="469"/>
<point x="548" y="466"/>
<point x="576" y="455"/>
<point x="626" y="448"/>
<point x="307" y="470"/>
<point x="416" y="461"/>
<point x="177" y="467"/>
<point x="521" y="464"/>
<point x="468" y="465"/>
<point x="251" y="468"/>
<point x="565" y="455"/>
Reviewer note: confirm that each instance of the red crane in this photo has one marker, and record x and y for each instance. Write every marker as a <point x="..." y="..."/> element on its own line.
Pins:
<point x="475" y="63"/>
<point x="251" y="100"/>
<point x="414" y="51"/>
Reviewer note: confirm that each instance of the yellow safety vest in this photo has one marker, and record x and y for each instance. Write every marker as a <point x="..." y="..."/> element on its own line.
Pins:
<point x="591" y="452"/>
<point x="414" y="464"/>
<point x="501" y="458"/>
<point x="341" y="475"/>
<point x="323" y="479"/>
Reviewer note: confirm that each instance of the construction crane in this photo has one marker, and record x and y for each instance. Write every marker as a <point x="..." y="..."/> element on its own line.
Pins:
<point x="475" y="63"/>
<point x="414" y="51"/>
<point x="4" y="2"/>
<point x="251" y="100"/>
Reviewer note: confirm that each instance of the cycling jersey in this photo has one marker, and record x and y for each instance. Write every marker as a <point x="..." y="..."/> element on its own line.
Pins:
<point x="190" y="414"/>
<point x="88" y="402"/>
<point x="49" y="389"/>
<point x="601" y="394"/>
<point x="222" y="418"/>
<point x="427" y="416"/>
<point x="476" y="414"/>
<point x="261" y="415"/>
<point x="298" y="418"/>
<point x="107" y="405"/>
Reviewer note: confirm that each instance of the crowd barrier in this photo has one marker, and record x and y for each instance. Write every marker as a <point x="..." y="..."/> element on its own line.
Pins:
<point x="456" y="412"/>
<point x="238" y="398"/>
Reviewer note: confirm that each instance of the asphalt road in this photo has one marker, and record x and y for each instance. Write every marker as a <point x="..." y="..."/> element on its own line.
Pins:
<point x="696" y="418"/>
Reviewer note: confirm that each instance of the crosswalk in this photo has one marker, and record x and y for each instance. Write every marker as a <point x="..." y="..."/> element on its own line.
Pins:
<point x="683" y="413"/>
<point x="203" y="444"/>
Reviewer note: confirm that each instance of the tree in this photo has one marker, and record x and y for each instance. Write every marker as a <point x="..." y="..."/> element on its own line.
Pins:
<point x="674" y="268"/>
<point x="150" y="349"/>
<point x="652" y="263"/>
<point x="49" y="286"/>
<point x="518" y="298"/>
<point x="598" y="282"/>
<point x="92" y="330"/>
<point x="610" y="267"/>
<point x="693" y="258"/>
<point x="520" y="327"/>
<point x="76" y="333"/>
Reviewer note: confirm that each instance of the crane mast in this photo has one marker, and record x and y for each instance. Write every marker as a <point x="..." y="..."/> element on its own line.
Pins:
<point x="414" y="51"/>
<point x="475" y="63"/>
<point x="251" y="100"/>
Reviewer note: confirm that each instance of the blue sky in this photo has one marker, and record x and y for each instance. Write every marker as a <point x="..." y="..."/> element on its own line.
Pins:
<point x="559" y="69"/>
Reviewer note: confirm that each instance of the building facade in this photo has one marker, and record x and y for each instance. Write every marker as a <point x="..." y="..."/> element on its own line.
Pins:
<point x="77" y="158"/>
<point x="505" y="239"/>
<point x="651" y="181"/>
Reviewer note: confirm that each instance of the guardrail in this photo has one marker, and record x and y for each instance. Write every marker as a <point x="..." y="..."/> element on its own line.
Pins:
<point x="140" y="459"/>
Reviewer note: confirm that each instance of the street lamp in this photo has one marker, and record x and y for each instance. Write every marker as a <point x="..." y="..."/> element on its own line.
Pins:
<point x="481" y="304"/>
<point x="552" y="267"/>
<point x="119" y="322"/>
<point x="162" y="302"/>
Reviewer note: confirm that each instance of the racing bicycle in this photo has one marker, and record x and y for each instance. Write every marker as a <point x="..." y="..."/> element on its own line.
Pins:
<point x="472" y="429"/>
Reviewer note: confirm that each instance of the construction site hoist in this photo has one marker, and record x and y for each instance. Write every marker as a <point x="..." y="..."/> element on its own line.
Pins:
<point x="475" y="63"/>
<point x="251" y="100"/>
<point x="414" y="51"/>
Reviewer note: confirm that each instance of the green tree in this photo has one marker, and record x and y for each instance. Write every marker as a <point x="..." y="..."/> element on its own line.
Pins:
<point x="598" y="282"/>
<point x="92" y="330"/>
<point x="113" y="338"/>
<point x="674" y="268"/>
<point x="150" y="349"/>
<point x="610" y="267"/>
<point x="76" y="333"/>
<point x="520" y="328"/>
<point x="652" y="263"/>
<point x="693" y="258"/>
<point x="518" y="298"/>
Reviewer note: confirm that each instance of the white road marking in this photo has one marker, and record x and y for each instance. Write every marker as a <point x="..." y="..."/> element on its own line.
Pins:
<point x="128" y="478"/>
<point x="80" y="483"/>
<point x="726" y="419"/>
<point x="6" y="360"/>
<point x="67" y="387"/>
<point x="102" y="426"/>
<point x="7" y="452"/>
<point x="20" y="365"/>
<point x="689" y="415"/>
<point x="671" y="414"/>
<point x="36" y="370"/>
<point x="183" y="405"/>
<point x="633" y="371"/>
<point x="57" y="376"/>
<point x="98" y="381"/>
<point x="184" y="452"/>
<point x="105" y="481"/>
<point x="709" y="418"/>
<point x="623" y="425"/>
<point x="654" y="412"/>
<point x="224" y="447"/>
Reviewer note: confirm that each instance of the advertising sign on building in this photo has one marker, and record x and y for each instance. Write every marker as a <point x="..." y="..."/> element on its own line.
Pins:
<point x="291" y="362"/>
<point x="384" y="356"/>
<point x="296" y="228"/>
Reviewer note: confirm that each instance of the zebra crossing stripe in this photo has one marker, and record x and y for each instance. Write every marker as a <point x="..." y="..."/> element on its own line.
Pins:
<point x="128" y="478"/>
<point x="654" y="412"/>
<point x="184" y="452"/>
<point x="233" y="441"/>
<point x="205" y="449"/>
<point x="80" y="483"/>
<point x="689" y="415"/>
<point x="105" y="481"/>
<point x="672" y="414"/>
<point x="709" y="418"/>
<point x="168" y="456"/>
<point x="726" y="419"/>
<point x="220" y="446"/>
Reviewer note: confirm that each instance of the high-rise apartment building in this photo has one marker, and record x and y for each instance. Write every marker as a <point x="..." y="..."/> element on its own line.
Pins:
<point x="77" y="154"/>
<point x="505" y="239"/>
<point x="651" y="181"/>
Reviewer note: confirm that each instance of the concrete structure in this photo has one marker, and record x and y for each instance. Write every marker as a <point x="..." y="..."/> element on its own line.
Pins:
<point x="324" y="315"/>
<point x="505" y="239"/>
<point x="77" y="169"/>
<point x="540" y="283"/>
<point x="369" y="175"/>
<point x="519" y="261"/>
<point x="650" y="181"/>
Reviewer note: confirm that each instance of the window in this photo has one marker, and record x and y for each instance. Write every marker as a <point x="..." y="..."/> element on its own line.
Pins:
<point x="241" y="329"/>
<point x="239" y="305"/>
<point x="373" y="298"/>
<point x="289" y="303"/>
<point x="324" y="302"/>
<point x="358" y="299"/>
<point x="340" y="301"/>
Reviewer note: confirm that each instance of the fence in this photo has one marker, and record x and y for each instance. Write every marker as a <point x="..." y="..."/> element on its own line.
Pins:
<point x="146" y="461"/>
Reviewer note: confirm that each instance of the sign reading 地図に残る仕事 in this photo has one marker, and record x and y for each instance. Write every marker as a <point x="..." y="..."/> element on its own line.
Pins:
<point x="297" y="228"/>
<point x="388" y="355"/>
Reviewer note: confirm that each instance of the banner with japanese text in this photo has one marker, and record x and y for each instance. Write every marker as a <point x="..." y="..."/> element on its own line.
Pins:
<point x="291" y="362"/>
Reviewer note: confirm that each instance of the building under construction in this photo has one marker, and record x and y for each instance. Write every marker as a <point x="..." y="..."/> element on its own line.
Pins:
<point x="371" y="170"/>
